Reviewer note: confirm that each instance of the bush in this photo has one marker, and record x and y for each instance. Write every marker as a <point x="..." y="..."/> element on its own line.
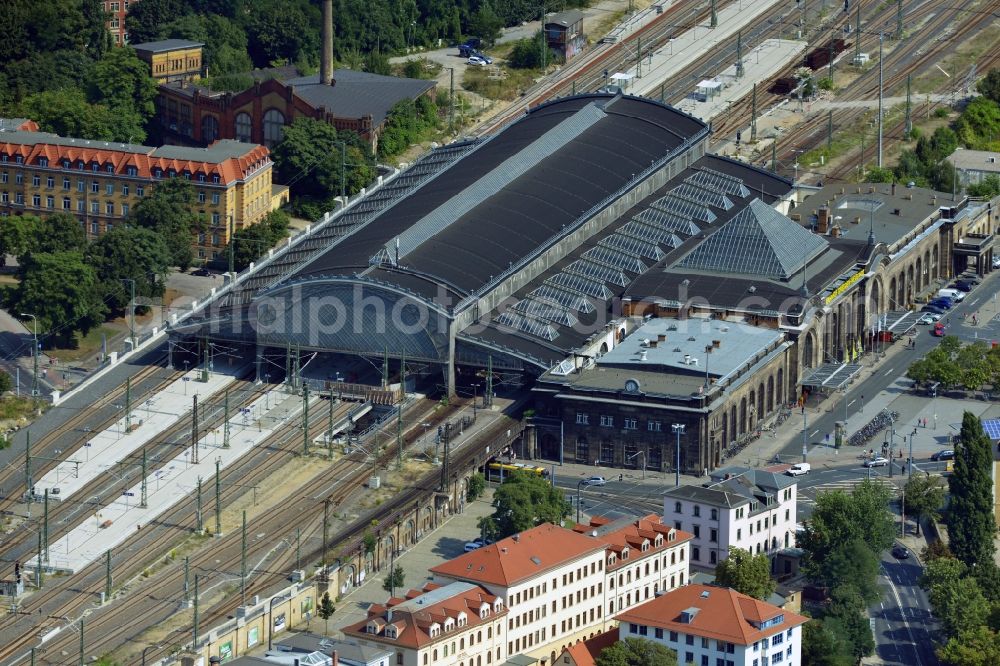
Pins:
<point x="826" y="83"/>
<point x="941" y="112"/>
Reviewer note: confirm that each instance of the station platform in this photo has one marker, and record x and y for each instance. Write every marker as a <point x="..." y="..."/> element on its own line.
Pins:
<point x="760" y="64"/>
<point x="686" y="48"/>
<point x="177" y="480"/>
<point x="149" y="419"/>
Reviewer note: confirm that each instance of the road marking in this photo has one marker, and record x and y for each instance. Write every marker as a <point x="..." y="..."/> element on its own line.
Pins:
<point x="889" y="372"/>
<point x="814" y="432"/>
<point x="899" y="604"/>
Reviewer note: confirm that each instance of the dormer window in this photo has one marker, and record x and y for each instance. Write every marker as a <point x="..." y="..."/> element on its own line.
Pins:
<point x="132" y="171"/>
<point x="19" y="159"/>
<point x="65" y="164"/>
<point x="645" y="546"/>
<point x="94" y="166"/>
<point x="659" y="540"/>
<point x="390" y="631"/>
<point x="171" y="173"/>
<point x="463" y="619"/>
<point x="158" y="173"/>
<point x="611" y="560"/>
<point x="624" y="553"/>
<point x="79" y="166"/>
<point x="215" y="178"/>
<point x="449" y="624"/>
<point x="43" y="161"/>
<point x="201" y="178"/>
<point x="109" y="167"/>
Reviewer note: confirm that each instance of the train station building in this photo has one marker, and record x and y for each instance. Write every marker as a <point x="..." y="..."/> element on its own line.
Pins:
<point x="594" y="250"/>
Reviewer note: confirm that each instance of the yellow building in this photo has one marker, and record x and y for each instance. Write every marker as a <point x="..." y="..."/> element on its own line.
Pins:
<point x="172" y="60"/>
<point x="99" y="182"/>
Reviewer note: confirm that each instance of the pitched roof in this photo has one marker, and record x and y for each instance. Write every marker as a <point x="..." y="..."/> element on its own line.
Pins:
<point x="357" y="94"/>
<point x="631" y="533"/>
<point x="720" y="613"/>
<point x="520" y="557"/>
<point x="585" y="653"/>
<point x="758" y="241"/>
<point x="412" y="619"/>
<point x="166" y="45"/>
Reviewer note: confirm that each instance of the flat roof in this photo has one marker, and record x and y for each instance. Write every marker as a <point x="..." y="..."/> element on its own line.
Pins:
<point x="166" y="45"/>
<point x="683" y="349"/>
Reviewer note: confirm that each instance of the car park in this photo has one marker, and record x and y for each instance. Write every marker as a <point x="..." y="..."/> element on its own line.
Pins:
<point x="877" y="462"/>
<point x="476" y="60"/>
<point x="594" y="481"/>
<point x="947" y="454"/>
<point x="900" y="553"/>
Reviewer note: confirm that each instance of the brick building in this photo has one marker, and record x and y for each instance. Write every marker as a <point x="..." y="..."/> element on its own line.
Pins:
<point x="117" y="10"/>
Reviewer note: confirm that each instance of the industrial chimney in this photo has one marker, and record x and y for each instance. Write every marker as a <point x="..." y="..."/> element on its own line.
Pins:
<point x="326" y="52"/>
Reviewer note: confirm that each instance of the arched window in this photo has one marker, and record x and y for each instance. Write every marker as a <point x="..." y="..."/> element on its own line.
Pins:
<point x="243" y="131"/>
<point x="274" y="127"/>
<point x="209" y="129"/>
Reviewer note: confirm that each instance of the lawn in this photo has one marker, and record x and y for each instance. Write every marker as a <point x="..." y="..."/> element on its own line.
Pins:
<point x="85" y="346"/>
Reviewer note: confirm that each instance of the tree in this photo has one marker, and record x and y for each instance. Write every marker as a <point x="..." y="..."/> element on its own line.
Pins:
<point x="122" y="82"/>
<point x="369" y="541"/>
<point x="326" y="610"/>
<point x="146" y="20"/>
<point x="987" y="188"/>
<point x="169" y="211"/>
<point x="746" y="573"/>
<point x="970" y="513"/>
<point x="130" y="253"/>
<point x="528" y="53"/>
<point x="846" y="619"/>
<point x="821" y="647"/>
<point x="311" y="157"/>
<point x="989" y="85"/>
<point x="485" y="24"/>
<point x="68" y="113"/>
<point x="253" y="242"/>
<point x="636" y="652"/>
<point x="6" y="383"/>
<point x="61" y="290"/>
<point x="281" y="31"/>
<point x="955" y="596"/>
<point x="852" y="564"/>
<point x="523" y="501"/>
<point x="59" y="232"/>
<point x="395" y="578"/>
<point x="976" y="647"/>
<point x="475" y="487"/>
<point x="924" y="496"/>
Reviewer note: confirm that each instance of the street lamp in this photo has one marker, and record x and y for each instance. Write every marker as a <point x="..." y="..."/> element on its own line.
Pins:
<point x="643" y="454"/>
<point x="578" y="485"/>
<point x="34" y="352"/>
<point x="678" y="429"/>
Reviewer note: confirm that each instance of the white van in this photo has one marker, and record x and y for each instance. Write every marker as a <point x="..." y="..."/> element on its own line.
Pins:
<point x="953" y="294"/>
<point x="799" y="469"/>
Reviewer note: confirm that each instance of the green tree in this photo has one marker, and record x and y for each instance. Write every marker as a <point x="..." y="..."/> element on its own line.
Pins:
<point x="169" y="212"/>
<point x="746" y="573"/>
<point x="146" y="20"/>
<point x="369" y="541"/>
<point x="970" y="513"/>
<point x="523" y="501"/>
<point x="956" y="598"/>
<point x="484" y="23"/>
<point x="130" y="253"/>
<point x="527" y="53"/>
<point x="253" y="242"/>
<point x="59" y="232"/>
<point x="6" y="383"/>
<point x="310" y="157"/>
<point x="852" y="564"/>
<point x="987" y="188"/>
<point x="475" y="488"/>
<point x="846" y="619"/>
<point x="977" y="647"/>
<point x="326" y="610"/>
<point x="62" y="291"/>
<point x="880" y="175"/>
<point x="989" y="85"/>
<point x="122" y="82"/>
<point x="281" y="31"/>
<point x="924" y="496"/>
<point x="68" y="113"/>
<point x="636" y="652"/>
<point x="821" y="647"/>
<point x="394" y="579"/>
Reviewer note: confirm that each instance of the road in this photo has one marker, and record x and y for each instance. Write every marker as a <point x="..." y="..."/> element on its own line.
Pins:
<point x="904" y="628"/>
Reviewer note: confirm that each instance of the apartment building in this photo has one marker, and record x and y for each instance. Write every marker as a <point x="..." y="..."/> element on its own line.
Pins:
<point x="117" y="10"/>
<point x="739" y="507"/>
<point x="642" y="558"/>
<point x="716" y="626"/>
<point x="172" y="60"/>
<point x="457" y="623"/>
<point x="100" y="183"/>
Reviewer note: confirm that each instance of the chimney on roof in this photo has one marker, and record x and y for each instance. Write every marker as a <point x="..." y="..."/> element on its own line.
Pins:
<point x="716" y="343"/>
<point x="326" y="53"/>
<point x="662" y="337"/>
<point x="516" y="538"/>
<point x="336" y="659"/>
<point x="823" y="220"/>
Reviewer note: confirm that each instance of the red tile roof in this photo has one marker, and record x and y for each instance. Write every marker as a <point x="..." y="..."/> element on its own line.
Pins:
<point x="413" y="617"/>
<point x="585" y="653"/>
<point x="520" y="557"/>
<point x="633" y="536"/>
<point x="723" y="614"/>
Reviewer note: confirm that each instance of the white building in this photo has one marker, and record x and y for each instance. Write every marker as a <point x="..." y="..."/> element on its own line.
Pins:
<point x="716" y="626"/>
<point x="459" y="623"/>
<point x="974" y="165"/>
<point x="739" y="507"/>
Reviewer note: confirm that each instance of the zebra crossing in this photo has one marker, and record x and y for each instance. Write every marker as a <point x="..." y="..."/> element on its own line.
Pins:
<point x="808" y="495"/>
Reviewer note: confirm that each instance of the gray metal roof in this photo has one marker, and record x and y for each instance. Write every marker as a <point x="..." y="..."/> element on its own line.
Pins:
<point x="566" y="18"/>
<point x="166" y="45"/>
<point x="11" y="124"/>
<point x="346" y="649"/>
<point x="358" y="94"/>
<point x="758" y="241"/>
<point x="219" y="151"/>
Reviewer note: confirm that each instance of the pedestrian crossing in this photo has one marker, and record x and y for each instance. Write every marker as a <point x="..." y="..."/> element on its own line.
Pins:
<point x="808" y="495"/>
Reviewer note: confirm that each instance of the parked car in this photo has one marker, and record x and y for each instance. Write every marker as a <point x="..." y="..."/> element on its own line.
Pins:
<point x="877" y="462"/>
<point x="953" y="294"/>
<point x="900" y="553"/>
<point x="595" y="481"/>
<point x="799" y="469"/>
<point x="201" y="272"/>
<point x="476" y="60"/>
<point x="929" y="318"/>
<point x="947" y="454"/>
<point x="485" y="58"/>
<point x="481" y="541"/>
<point x="996" y="262"/>
<point x="964" y="285"/>
<point x="472" y="545"/>
<point x="932" y="309"/>
<point x="945" y="303"/>
<point x="939" y="330"/>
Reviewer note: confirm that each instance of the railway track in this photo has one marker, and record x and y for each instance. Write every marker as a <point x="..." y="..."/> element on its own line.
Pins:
<point x="78" y="428"/>
<point x="270" y="456"/>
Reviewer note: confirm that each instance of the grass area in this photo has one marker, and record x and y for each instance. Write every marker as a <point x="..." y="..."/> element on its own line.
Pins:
<point x="958" y="64"/>
<point x="605" y="24"/>
<point x="14" y="408"/>
<point x="85" y="346"/>
<point x="507" y="87"/>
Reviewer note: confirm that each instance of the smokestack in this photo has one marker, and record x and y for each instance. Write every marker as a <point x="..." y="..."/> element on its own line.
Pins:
<point x="336" y="659"/>
<point x="326" y="49"/>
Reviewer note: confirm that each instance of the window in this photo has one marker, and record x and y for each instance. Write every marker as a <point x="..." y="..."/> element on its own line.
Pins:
<point x="139" y="190"/>
<point x="43" y="161"/>
<point x="739" y="534"/>
<point x="131" y="171"/>
<point x="630" y="424"/>
<point x="274" y="130"/>
<point x="689" y="639"/>
<point x="658" y="633"/>
<point x="109" y="207"/>
<point x="50" y="182"/>
<point x="95" y="208"/>
<point x="673" y="636"/>
<point x="777" y="657"/>
<point x="18" y="198"/>
<point x="777" y="639"/>
<point x="653" y="426"/>
<point x="125" y="210"/>
<point x="697" y="511"/>
<point x="94" y="166"/>
<point x="125" y="190"/>
<point x="109" y="168"/>
<point x="4" y="197"/>
<point x="715" y="514"/>
<point x="215" y="218"/>
<point x="50" y="202"/>
<point x="67" y="204"/>
<point x="93" y="228"/>
<point x="209" y="130"/>
<point x="36" y="180"/>
<point x="695" y="555"/>
<point x="109" y="189"/>
<point x="787" y="515"/>
<point x="66" y="184"/>
<point x="714" y="535"/>
<point x="3" y="177"/>
<point x="713" y="557"/>
<point x="81" y="206"/>
<point x="36" y="200"/>
<point x="242" y="128"/>
<point x="18" y="177"/>
<point x="81" y="186"/>
<point x="607" y="421"/>
<point x="95" y="187"/>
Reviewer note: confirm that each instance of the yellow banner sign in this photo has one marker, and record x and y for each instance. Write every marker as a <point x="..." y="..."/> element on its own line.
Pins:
<point x="847" y="284"/>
